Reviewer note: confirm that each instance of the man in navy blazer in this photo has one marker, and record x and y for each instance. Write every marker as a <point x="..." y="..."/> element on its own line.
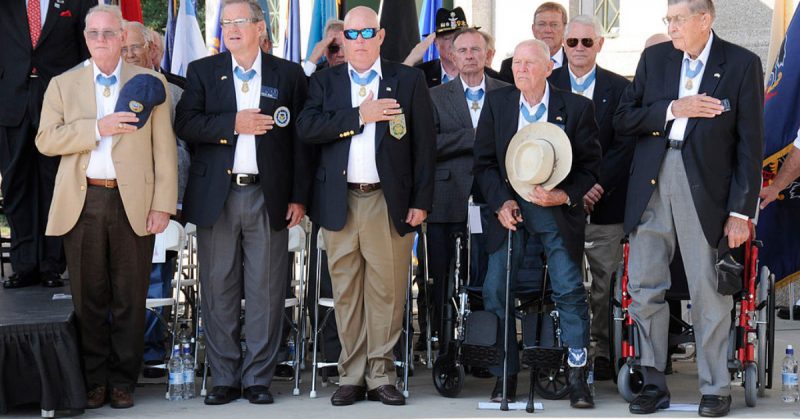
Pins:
<point x="248" y="183"/>
<point x="372" y="121"/>
<point x="695" y="108"/>
<point x="556" y="217"/>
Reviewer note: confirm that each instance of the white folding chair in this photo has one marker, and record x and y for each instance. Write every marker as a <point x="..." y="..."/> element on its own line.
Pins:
<point x="328" y="304"/>
<point x="298" y="239"/>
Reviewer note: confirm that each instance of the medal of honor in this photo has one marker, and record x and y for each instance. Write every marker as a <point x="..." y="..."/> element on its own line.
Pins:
<point x="689" y="84"/>
<point x="475" y="106"/>
<point x="107" y="91"/>
<point x="245" y="87"/>
<point x="362" y="91"/>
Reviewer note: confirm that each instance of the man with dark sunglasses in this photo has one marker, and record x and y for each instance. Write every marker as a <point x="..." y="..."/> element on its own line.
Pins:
<point x="604" y="204"/>
<point x="373" y="186"/>
<point x="329" y="47"/>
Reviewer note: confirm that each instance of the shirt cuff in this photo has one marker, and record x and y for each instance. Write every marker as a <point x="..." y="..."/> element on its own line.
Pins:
<point x="737" y="215"/>
<point x="309" y="68"/>
<point x="797" y="140"/>
<point x="670" y="115"/>
<point x="97" y="131"/>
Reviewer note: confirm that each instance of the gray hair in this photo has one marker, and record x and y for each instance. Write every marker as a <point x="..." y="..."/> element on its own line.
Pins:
<point x="333" y="25"/>
<point x="105" y="8"/>
<point x="467" y="30"/>
<point x="538" y="45"/>
<point x="697" y="6"/>
<point x="255" y="9"/>
<point x="489" y="39"/>
<point x="147" y="34"/>
<point x="587" y="21"/>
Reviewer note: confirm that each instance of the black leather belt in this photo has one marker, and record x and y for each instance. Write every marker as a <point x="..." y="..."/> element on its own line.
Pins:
<point x="675" y="144"/>
<point x="364" y="187"/>
<point x="243" y="179"/>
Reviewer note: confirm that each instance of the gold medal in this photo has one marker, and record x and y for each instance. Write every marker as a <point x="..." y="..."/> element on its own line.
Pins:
<point x="689" y="84"/>
<point x="107" y="91"/>
<point x="475" y="106"/>
<point x="245" y="87"/>
<point x="362" y="91"/>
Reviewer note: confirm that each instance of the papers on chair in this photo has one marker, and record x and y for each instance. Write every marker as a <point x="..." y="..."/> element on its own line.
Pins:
<point x="683" y="407"/>
<point x="160" y="249"/>
<point x="513" y="406"/>
<point x="474" y="216"/>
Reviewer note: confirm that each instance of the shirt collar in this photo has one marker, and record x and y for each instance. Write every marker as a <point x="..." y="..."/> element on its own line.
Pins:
<point x="117" y="70"/>
<point x="582" y="78"/>
<point x="444" y="72"/>
<point x="256" y="64"/>
<point x="545" y="98"/>
<point x="705" y="53"/>
<point x="376" y="66"/>
<point x="559" y="56"/>
<point x="480" y="86"/>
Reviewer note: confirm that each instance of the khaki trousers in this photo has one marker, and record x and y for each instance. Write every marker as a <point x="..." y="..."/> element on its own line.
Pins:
<point x="368" y="262"/>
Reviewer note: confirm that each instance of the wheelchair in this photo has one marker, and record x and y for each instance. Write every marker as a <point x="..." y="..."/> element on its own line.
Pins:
<point x="751" y="339"/>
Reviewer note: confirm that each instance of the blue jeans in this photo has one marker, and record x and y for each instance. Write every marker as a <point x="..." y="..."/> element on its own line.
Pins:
<point x="565" y="279"/>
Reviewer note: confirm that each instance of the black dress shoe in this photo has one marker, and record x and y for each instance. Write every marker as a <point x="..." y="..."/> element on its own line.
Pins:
<point x="347" y="395"/>
<point x="649" y="400"/>
<point x="480" y="372"/>
<point x="714" y="406"/>
<point x="579" y="395"/>
<point x="387" y="394"/>
<point x="19" y="280"/>
<point x="51" y="280"/>
<point x="222" y="395"/>
<point x="602" y="369"/>
<point x="511" y="391"/>
<point x="258" y="395"/>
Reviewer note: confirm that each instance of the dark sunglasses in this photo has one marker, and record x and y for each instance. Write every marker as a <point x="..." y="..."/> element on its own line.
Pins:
<point x="366" y="33"/>
<point x="334" y="49"/>
<point x="573" y="42"/>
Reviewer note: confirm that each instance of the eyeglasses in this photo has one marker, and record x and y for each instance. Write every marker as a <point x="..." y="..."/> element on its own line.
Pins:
<point x="334" y="49"/>
<point x="677" y="20"/>
<point x="105" y="34"/>
<point x="135" y="48"/>
<point x="552" y="25"/>
<point x="227" y="23"/>
<point x="366" y="33"/>
<point x="586" y="42"/>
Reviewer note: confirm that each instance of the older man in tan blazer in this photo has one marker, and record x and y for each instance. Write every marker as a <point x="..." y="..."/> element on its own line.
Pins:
<point x="116" y="186"/>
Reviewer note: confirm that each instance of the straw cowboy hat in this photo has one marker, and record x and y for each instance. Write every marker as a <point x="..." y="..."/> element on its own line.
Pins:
<point x="539" y="154"/>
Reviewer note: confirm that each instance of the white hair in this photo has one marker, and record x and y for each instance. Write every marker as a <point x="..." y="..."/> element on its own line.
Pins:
<point x="587" y="21"/>
<point x="146" y="33"/>
<point x="105" y="8"/>
<point x="538" y="45"/>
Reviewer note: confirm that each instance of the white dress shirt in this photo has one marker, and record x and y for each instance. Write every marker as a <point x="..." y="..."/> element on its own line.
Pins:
<point x="361" y="166"/>
<point x="475" y="114"/>
<point x="309" y="68"/>
<point x="589" y="92"/>
<point x="558" y="58"/>
<point x="101" y="165"/>
<point x="532" y="108"/>
<point x="449" y="76"/>
<point x="244" y="158"/>
<point x="679" y="126"/>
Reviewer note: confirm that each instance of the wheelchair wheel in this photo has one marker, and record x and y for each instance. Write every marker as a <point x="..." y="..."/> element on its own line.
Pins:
<point x="770" y="341"/>
<point x="551" y="383"/>
<point x="614" y="325"/>
<point x="629" y="383"/>
<point x="763" y="295"/>
<point x="750" y="384"/>
<point x="448" y="377"/>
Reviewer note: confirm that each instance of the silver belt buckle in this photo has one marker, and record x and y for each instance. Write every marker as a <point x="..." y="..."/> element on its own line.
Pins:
<point x="239" y="177"/>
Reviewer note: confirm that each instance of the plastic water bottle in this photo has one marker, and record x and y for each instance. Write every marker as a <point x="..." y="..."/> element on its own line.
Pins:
<point x="175" y="368"/>
<point x="188" y="372"/>
<point x="184" y="334"/>
<point x="291" y="348"/>
<point x="789" y="377"/>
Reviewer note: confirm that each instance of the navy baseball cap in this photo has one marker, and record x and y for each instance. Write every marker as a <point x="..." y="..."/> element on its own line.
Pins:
<point x="140" y="95"/>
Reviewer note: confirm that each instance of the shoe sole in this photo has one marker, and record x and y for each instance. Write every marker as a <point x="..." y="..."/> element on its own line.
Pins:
<point x="582" y="405"/>
<point x="661" y="406"/>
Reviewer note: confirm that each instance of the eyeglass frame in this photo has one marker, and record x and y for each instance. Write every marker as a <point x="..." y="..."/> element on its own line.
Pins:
<point x="678" y="20"/>
<point x="360" y="32"/>
<point x="238" y="23"/>
<point x="105" y="34"/>
<point x="134" y="47"/>
<point x="586" y="42"/>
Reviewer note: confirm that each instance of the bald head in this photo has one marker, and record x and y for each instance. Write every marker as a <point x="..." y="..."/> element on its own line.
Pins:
<point x="656" y="39"/>
<point x="362" y="53"/>
<point x="364" y="15"/>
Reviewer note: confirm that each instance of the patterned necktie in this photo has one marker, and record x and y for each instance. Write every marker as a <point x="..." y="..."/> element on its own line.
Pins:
<point x="689" y="73"/>
<point x="106" y="82"/>
<point x="535" y="117"/>
<point x="363" y="81"/>
<point x="245" y="77"/>
<point x="34" y="21"/>
<point x="579" y="88"/>
<point x="475" y="96"/>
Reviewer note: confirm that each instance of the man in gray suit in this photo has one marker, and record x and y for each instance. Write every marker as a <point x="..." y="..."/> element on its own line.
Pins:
<point x="457" y="107"/>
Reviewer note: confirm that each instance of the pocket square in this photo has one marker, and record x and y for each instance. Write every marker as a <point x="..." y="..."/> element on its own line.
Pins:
<point x="66" y="13"/>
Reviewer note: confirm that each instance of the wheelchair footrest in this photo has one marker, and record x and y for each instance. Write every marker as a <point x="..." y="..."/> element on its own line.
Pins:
<point x="481" y="356"/>
<point x="543" y="357"/>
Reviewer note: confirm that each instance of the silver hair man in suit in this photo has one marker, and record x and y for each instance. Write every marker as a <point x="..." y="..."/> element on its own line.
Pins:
<point x="457" y="107"/>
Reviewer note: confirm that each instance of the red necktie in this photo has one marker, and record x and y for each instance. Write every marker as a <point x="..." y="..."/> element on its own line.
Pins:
<point x="34" y="20"/>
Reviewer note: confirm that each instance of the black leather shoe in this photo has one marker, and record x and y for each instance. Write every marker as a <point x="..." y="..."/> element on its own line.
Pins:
<point x="20" y="280"/>
<point x="649" y="400"/>
<point x="222" y="395"/>
<point x="714" y="406"/>
<point x="387" y="394"/>
<point x="51" y="280"/>
<point x="511" y="391"/>
<point x="602" y="369"/>
<point x="480" y="372"/>
<point x="579" y="395"/>
<point x="258" y="395"/>
<point x="347" y="395"/>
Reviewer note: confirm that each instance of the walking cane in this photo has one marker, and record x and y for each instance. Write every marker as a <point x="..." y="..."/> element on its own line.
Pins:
<point x="504" y="402"/>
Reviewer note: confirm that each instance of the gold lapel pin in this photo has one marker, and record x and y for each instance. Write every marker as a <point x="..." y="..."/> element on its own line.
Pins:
<point x="558" y="118"/>
<point x="388" y="89"/>
<point x="717" y="75"/>
<point x="224" y="78"/>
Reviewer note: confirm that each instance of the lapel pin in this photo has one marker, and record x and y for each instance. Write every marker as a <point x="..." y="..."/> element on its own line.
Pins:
<point x="388" y="89"/>
<point x="717" y="75"/>
<point x="605" y="100"/>
<point x="57" y="5"/>
<point x="558" y="118"/>
<point x="224" y="78"/>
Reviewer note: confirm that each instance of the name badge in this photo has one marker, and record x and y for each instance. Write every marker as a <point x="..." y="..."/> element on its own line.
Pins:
<point x="269" y="92"/>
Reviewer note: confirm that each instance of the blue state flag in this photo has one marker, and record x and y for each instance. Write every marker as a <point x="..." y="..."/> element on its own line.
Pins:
<point x="189" y="44"/>
<point x="427" y="25"/>
<point x="217" y="44"/>
<point x="291" y="42"/>
<point x="778" y="228"/>
<point x="169" y="35"/>
<point x="324" y="10"/>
